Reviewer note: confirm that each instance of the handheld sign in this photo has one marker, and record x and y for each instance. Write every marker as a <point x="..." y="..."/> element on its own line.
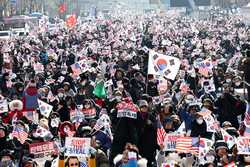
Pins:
<point x="243" y="145"/>
<point x="41" y="149"/>
<point x="76" y="146"/>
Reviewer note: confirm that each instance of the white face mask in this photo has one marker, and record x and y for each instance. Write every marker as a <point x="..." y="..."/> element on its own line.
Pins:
<point x="210" y="158"/>
<point x="247" y="158"/>
<point x="64" y="72"/>
<point x="60" y="95"/>
<point x="118" y="97"/>
<point x="199" y="121"/>
<point x="237" y="83"/>
<point x="228" y="80"/>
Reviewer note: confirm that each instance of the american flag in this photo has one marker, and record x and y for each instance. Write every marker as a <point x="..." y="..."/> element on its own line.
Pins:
<point x="98" y="126"/>
<point x="247" y="116"/>
<point x="20" y="134"/>
<point x="79" y="67"/>
<point x="161" y="133"/>
<point x="187" y="145"/>
<point x="204" y="71"/>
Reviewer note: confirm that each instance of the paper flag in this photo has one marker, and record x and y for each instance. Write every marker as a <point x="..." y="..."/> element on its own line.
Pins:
<point x="45" y="108"/>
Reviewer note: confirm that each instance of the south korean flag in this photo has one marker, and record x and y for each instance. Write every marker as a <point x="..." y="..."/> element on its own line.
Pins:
<point x="163" y="65"/>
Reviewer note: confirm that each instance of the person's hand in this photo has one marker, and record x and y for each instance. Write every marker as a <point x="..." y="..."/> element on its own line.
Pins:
<point x="161" y="147"/>
<point x="235" y="151"/>
<point x="93" y="142"/>
<point x="224" y="160"/>
<point x="149" y="122"/>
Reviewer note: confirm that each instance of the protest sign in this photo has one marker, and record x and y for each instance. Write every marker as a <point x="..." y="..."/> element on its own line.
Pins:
<point x="75" y="146"/>
<point x="163" y="85"/>
<point x="31" y="115"/>
<point x="38" y="68"/>
<point x="212" y="125"/>
<point x="170" y="142"/>
<point x="41" y="149"/>
<point x="169" y="163"/>
<point x="3" y="106"/>
<point x="243" y="145"/>
<point x="125" y="109"/>
<point x="76" y="116"/>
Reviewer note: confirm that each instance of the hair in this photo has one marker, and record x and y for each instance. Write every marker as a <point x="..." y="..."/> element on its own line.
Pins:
<point x="67" y="161"/>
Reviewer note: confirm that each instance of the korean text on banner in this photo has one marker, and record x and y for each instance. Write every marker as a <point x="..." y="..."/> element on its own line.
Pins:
<point x="43" y="148"/>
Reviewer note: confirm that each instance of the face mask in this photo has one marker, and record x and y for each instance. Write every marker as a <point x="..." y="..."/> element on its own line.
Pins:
<point x="83" y="83"/>
<point x="60" y="95"/>
<point x="247" y="159"/>
<point x="210" y="158"/>
<point x="81" y="93"/>
<point x="64" y="72"/>
<point x="118" y="98"/>
<point x="228" y="80"/>
<point x="182" y="74"/>
<point x="199" y="121"/>
<point x="237" y="83"/>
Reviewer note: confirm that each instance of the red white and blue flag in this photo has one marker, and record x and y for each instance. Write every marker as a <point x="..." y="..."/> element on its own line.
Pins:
<point x="187" y="145"/>
<point x="79" y="67"/>
<point x="247" y="120"/>
<point x="20" y="134"/>
<point x="161" y="133"/>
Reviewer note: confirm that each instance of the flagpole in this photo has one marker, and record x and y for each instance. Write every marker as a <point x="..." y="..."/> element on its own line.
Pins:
<point x="244" y="87"/>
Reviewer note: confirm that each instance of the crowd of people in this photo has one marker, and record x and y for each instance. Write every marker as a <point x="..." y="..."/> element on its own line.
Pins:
<point x="72" y="82"/>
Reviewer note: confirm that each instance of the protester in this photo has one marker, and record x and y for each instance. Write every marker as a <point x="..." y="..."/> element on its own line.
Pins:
<point x="131" y="90"/>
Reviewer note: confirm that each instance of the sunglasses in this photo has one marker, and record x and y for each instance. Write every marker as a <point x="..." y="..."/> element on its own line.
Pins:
<point x="76" y="164"/>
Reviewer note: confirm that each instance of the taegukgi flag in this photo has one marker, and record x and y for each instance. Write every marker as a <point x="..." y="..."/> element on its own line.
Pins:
<point x="159" y="64"/>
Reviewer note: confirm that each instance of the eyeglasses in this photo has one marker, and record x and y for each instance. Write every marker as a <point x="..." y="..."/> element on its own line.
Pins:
<point x="76" y="164"/>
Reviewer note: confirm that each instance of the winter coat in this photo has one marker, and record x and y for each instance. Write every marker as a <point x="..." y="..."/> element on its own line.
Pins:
<point x="104" y="139"/>
<point x="3" y="87"/>
<point x="229" y="108"/>
<point x="124" y="131"/>
<point x="199" y="130"/>
<point x="147" y="133"/>
<point x="187" y="118"/>
<point x="101" y="159"/>
<point x="152" y="89"/>
<point x="44" y="57"/>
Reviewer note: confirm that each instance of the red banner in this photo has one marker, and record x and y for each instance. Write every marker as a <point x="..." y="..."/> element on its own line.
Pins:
<point x="42" y="149"/>
<point x="71" y="21"/>
<point x="128" y="110"/>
